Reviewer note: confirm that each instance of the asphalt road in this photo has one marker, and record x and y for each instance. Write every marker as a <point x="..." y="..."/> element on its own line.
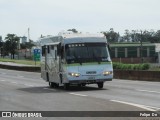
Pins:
<point x="26" y="91"/>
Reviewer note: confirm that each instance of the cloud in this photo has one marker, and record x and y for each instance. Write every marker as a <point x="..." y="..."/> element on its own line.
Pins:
<point x="52" y="16"/>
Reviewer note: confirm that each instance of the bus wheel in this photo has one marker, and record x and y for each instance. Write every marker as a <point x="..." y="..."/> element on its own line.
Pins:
<point x="79" y="85"/>
<point x="56" y="85"/>
<point x="51" y="85"/>
<point x="100" y="84"/>
<point x="66" y="86"/>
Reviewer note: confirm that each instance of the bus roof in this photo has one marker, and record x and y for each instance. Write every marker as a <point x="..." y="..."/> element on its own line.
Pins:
<point x="67" y="38"/>
<point x="84" y="40"/>
<point x="77" y="35"/>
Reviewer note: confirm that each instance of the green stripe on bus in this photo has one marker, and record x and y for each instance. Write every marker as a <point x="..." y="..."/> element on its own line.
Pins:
<point x="92" y="63"/>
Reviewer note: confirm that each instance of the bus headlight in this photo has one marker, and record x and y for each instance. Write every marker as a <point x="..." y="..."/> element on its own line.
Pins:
<point x="107" y="73"/>
<point x="74" y="74"/>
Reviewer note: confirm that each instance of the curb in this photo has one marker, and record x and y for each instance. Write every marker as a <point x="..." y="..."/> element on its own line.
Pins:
<point x="137" y="75"/>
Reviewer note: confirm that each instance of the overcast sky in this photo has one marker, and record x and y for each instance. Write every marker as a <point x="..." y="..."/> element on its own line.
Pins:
<point x="49" y="17"/>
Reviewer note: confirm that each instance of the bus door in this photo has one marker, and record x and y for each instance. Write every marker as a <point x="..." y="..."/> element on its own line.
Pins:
<point x="54" y="63"/>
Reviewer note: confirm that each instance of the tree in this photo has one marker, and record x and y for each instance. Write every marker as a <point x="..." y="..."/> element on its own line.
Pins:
<point x="111" y="36"/>
<point x="73" y="30"/>
<point x="1" y="46"/>
<point x="11" y="44"/>
<point x="27" y="45"/>
<point x="156" y="37"/>
<point x="1" y="42"/>
<point x="127" y="37"/>
<point x="141" y="35"/>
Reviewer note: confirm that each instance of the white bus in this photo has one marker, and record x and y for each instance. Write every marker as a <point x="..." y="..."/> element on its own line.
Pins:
<point x="75" y="59"/>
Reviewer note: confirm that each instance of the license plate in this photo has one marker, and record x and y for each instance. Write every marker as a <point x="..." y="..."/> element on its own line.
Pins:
<point x="91" y="78"/>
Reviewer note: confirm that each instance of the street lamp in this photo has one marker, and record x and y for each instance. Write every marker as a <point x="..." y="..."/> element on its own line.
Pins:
<point x="141" y="43"/>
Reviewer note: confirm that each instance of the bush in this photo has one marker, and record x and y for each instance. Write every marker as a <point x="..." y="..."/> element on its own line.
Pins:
<point x="122" y="66"/>
<point x="145" y="66"/>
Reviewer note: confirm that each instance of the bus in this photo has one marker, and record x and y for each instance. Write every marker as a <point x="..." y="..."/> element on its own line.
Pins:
<point x="75" y="59"/>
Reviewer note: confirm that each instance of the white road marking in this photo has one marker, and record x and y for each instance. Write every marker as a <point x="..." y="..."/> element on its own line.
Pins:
<point x="20" y="83"/>
<point x="49" y="89"/>
<point x="2" y="80"/>
<point x="28" y="85"/>
<point x="148" y="91"/>
<point x="20" y="76"/>
<point x="14" y="82"/>
<point x="3" y="73"/>
<point x="150" y="108"/>
<point x="78" y="94"/>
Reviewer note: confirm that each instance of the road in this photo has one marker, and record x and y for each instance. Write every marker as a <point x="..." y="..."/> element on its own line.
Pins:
<point x="26" y="91"/>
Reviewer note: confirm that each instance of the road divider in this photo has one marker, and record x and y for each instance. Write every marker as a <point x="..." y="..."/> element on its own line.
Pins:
<point x="21" y="68"/>
<point x="144" y="75"/>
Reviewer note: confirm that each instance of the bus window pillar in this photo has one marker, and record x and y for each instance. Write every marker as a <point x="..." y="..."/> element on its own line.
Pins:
<point x="159" y="57"/>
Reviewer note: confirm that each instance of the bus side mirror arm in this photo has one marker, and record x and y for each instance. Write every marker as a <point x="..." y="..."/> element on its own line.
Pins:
<point x="109" y="48"/>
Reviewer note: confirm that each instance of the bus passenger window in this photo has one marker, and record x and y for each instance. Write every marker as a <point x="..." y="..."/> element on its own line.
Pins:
<point x="55" y="54"/>
<point x="52" y="47"/>
<point x="48" y="49"/>
<point x="43" y="50"/>
<point x="62" y="53"/>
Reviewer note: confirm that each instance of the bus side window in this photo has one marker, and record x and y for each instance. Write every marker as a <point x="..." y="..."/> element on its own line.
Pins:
<point x="59" y="50"/>
<point x="52" y="47"/>
<point x="43" y="50"/>
<point x="62" y="52"/>
<point x="55" y="54"/>
<point x="48" y="49"/>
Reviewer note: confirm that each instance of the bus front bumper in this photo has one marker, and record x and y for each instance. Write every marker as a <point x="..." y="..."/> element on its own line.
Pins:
<point x="88" y="81"/>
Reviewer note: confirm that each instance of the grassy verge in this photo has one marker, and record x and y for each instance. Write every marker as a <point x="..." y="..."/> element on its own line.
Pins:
<point x="155" y="69"/>
<point x="26" y="62"/>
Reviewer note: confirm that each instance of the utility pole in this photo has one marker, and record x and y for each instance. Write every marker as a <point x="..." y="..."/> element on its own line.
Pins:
<point x="28" y="36"/>
<point x="18" y="47"/>
<point x="141" y="47"/>
<point x="29" y="40"/>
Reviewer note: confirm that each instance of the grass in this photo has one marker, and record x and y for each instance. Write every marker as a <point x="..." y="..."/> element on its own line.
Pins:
<point x="26" y="62"/>
<point x="155" y="69"/>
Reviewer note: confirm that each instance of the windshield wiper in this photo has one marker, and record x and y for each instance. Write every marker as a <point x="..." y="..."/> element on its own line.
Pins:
<point x="78" y="60"/>
<point x="97" y="59"/>
<point x="105" y="59"/>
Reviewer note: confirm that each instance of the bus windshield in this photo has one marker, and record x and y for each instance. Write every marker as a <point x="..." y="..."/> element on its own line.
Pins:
<point x="87" y="52"/>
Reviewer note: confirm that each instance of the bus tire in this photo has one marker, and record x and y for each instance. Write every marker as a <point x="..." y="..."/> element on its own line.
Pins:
<point x="66" y="86"/>
<point x="51" y="85"/>
<point x="100" y="84"/>
<point x="47" y="76"/>
<point x="61" y="78"/>
<point x="83" y="84"/>
<point x="79" y="85"/>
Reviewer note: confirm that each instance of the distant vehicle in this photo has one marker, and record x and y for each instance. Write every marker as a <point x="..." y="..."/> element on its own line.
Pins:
<point x="75" y="59"/>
